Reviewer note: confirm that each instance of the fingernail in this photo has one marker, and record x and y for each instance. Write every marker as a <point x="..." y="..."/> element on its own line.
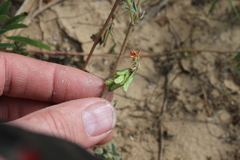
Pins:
<point x="99" y="118"/>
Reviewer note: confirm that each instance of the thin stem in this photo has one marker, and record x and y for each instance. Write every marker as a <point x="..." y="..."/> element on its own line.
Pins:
<point x="130" y="10"/>
<point x="101" y="32"/>
<point x="42" y="8"/>
<point x="127" y="56"/>
<point x="129" y="30"/>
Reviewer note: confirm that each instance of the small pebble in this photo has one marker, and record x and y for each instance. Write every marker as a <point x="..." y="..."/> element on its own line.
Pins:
<point x="65" y="39"/>
<point x="54" y="38"/>
<point x="149" y="87"/>
<point x="67" y="49"/>
<point x="131" y="138"/>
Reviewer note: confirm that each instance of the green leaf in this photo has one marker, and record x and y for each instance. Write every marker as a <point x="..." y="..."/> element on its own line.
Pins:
<point x="109" y="81"/>
<point x="212" y="7"/>
<point x="3" y="17"/>
<point x="237" y="57"/>
<point x="30" y="42"/>
<point x="5" y="45"/>
<point x="125" y="79"/>
<point x="124" y="4"/>
<point x="128" y="81"/>
<point x="123" y="72"/>
<point x="114" y="86"/>
<point x="113" y="146"/>
<point x="119" y="79"/>
<point x="16" y="19"/>
<point x="98" y="151"/>
<point x="4" y="7"/>
<point x="134" y="8"/>
<point x="238" y="67"/>
<point x="14" y="26"/>
<point x="2" y="31"/>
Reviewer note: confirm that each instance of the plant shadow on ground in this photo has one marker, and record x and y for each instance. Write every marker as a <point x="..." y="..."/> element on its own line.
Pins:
<point x="180" y="106"/>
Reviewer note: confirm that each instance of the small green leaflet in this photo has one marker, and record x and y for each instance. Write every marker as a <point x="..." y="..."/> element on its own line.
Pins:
<point x="128" y="81"/>
<point x="237" y="57"/>
<point x="2" y="31"/>
<point x="238" y="67"/>
<point x="109" y="81"/>
<point x="30" y="42"/>
<point x="16" y="19"/>
<point x="5" y="45"/>
<point x="3" y="17"/>
<point x="14" y="26"/>
<point x="119" y="79"/>
<point x="4" y="7"/>
<point x="115" y="86"/>
<point x="127" y="7"/>
<point x="123" y="72"/>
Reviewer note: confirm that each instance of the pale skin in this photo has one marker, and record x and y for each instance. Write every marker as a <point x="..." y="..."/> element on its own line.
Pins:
<point x="49" y="98"/>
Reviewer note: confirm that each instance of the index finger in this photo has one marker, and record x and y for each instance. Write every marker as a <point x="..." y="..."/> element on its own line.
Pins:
<point x="24" y="77"/>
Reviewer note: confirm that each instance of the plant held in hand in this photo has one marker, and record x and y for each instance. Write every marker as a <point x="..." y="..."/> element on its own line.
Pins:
<point x="125" y="77"/>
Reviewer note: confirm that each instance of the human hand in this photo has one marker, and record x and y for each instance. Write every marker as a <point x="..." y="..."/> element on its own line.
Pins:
<point x="54" y="99"/>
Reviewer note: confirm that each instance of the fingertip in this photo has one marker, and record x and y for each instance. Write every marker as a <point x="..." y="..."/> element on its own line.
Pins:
<point x="86" y="122"/>
<point x="107" y="139"/>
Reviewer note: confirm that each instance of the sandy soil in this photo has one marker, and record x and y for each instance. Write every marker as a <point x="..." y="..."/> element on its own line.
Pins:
<point x="180" y="106"/>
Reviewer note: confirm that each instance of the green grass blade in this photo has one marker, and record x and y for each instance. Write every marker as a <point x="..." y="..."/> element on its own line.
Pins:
<point x="14" y="26"/>
<point x="2" y="31"/>
<point x="16" y="19"/>
<point x="3" y="17"/>
<point x="29" y="41"/>
<point x="237" y="57"/>
<point x="4" y="7"/>
<point x="234" y="9"/>
<point x="212" y="7"/>
<point x="238" y="67"/>
<point x="5" y="45"/>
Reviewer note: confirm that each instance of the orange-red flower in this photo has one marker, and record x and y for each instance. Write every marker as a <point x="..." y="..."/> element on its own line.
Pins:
<point x="134" y="53"/>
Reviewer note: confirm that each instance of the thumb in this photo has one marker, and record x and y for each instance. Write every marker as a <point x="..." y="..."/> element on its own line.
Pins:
<point x="86" y="121"/>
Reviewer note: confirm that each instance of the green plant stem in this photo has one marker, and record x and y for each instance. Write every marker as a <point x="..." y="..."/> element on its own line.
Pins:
<point x="131" y="14"/>
<point x="96" y="41"/>
<point x="234" y="9"/>
<point x="122" y="51"/>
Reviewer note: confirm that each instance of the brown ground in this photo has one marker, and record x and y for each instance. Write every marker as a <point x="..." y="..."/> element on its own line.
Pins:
<point x="180" y="106"/>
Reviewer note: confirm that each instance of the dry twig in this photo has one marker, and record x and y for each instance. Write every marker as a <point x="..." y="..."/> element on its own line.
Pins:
<point x="42" y="8"/>
<point x="96" y="41"/>
<point x="196" y="51"/>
